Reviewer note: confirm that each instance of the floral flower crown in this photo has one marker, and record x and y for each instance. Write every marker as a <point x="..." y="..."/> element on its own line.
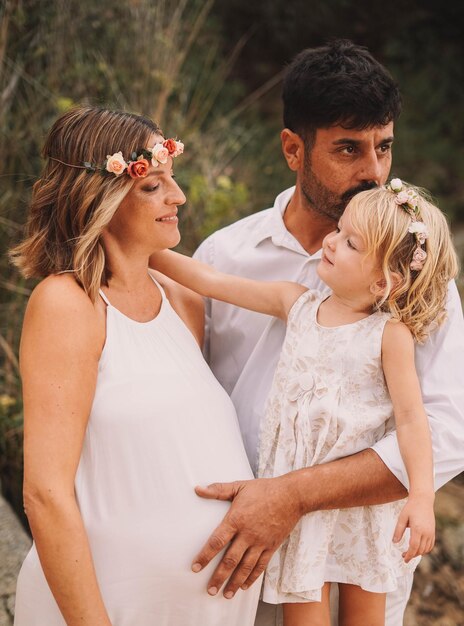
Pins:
<point x="407" y="199"/>
<point x="139" y="162"/>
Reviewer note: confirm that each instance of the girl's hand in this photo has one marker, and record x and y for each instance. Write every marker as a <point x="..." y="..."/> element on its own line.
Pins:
<point x="417" y="515"/>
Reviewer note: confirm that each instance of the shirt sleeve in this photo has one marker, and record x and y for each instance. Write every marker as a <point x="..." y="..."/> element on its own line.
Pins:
<point x="204" y="253"/>
<point x="440" y="368"/>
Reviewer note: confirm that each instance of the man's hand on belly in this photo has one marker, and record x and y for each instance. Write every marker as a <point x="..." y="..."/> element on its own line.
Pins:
<point x="262" y="514"/>
<point x="264" y="511"/>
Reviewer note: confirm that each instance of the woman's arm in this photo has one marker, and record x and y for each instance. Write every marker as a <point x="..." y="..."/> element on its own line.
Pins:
<point x="413" y="437"/>
<point x="61" y="344"/>
<point x="271" y="298"/>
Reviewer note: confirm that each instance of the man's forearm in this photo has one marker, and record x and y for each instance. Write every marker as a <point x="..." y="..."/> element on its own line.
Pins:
<point x="358" y="480"/>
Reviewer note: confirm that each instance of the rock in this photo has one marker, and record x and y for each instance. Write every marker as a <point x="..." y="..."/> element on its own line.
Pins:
<point x="452" y="538"/>
<point x="437" y="597"/>
<point x="14" y="545"/>
<point x="449" y="503"/>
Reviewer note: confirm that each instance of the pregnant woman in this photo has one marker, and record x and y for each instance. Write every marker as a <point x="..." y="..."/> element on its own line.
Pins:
<point x="122" y="416"/>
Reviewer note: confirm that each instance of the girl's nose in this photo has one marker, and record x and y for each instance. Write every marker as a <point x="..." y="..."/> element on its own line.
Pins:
<point x="331" y="240"/>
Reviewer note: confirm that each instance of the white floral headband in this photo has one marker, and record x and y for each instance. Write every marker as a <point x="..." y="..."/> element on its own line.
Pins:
<point x="407" y="199"/>
<point x="139" y="162"/>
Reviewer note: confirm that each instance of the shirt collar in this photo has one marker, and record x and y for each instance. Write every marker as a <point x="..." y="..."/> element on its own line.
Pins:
<point x="273" y="227"/>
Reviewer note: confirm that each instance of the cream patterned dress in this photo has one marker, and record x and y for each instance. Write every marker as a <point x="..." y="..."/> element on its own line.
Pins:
<point x="329" y="400"/>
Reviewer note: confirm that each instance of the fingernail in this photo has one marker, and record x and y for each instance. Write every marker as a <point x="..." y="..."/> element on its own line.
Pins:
<point x="244" y="587"/>
<point x="212" y="591"/>
<point x="229" y="594"/>
<point x="196" y="567"/>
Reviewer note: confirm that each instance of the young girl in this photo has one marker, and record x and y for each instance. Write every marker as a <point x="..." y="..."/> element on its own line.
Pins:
<point x="345" y="377"/>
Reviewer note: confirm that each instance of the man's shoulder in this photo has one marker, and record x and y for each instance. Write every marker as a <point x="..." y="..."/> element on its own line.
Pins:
<point x="248" y="231"/>
<point x="247" y="226"/>
<point x="231" y="240"/>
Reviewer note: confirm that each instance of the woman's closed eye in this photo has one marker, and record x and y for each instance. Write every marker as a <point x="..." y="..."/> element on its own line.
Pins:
<point x="150" y="189"/>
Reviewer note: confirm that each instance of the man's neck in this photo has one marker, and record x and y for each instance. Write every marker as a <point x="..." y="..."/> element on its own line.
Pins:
<point x="308" y="227"/>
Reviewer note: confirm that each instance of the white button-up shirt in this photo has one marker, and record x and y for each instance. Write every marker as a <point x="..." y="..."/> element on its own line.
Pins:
<point x="243" y="347"/>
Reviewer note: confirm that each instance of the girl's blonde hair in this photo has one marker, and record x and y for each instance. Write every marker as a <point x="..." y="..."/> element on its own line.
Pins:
<point x="415" y="297"/>
<point x="70" y="207"/>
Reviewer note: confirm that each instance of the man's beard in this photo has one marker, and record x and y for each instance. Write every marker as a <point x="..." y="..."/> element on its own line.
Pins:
<point x="325" y="202"/>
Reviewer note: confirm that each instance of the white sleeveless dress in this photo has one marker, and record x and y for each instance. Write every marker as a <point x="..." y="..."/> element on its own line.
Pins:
<point x="329" y="400"/>
<point x="160" y="424"/>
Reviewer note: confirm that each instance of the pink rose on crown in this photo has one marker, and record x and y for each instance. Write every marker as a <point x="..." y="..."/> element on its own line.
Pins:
<point x="420" y="230"/>
<point x="139" y="168"/>
<point x="418" y="259"/>
<point x="170" y="145"/>
<point x="402" y="197"/>
<point x="115" y="163"/>
<point x="160" y="155"/>
<point x="179" y="148"/>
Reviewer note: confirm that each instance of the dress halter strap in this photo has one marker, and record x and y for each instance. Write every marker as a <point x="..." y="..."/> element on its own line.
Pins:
<point x="163" y="294"/>
<point x="104" y="298"/>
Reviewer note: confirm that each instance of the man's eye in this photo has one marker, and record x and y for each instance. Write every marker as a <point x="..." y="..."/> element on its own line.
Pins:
<point x="386" y="147"/>
<point x="348" y="149"/>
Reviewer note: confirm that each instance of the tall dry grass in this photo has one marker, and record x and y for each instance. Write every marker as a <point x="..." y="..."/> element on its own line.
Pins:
<point x="160" y="58"/>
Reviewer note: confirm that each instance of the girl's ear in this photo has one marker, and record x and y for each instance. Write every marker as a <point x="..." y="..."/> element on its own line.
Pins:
<point x="293" y="149"/>
<point x="379" y="287"/>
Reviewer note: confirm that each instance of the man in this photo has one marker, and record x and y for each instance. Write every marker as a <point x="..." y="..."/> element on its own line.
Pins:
<point x="340" y="106"/>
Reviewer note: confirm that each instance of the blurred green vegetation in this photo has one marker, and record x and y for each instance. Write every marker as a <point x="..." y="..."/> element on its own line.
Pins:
<point x="210" y="73"/>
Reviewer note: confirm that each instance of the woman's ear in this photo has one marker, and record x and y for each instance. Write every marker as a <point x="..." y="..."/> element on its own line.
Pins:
<point x="379" y="287"/>
<point x="293" y="149"/>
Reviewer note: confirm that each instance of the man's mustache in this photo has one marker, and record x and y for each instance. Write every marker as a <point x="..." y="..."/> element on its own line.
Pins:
<point x="346" y="197"/>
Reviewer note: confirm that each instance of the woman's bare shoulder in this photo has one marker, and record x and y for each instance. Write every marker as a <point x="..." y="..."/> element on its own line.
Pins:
<point x="59" y="304"/>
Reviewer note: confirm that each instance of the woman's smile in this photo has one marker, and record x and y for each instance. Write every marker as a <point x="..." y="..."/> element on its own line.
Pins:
<point x="168" y="219"/>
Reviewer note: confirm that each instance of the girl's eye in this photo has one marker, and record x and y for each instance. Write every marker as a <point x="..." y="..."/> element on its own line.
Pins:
<point x="337" y="230"/>
<point x="350" y="245"/>
<point x="149" y="189"/>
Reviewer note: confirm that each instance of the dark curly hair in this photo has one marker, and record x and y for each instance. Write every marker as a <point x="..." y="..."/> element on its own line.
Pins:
<point x="339" y="83"/>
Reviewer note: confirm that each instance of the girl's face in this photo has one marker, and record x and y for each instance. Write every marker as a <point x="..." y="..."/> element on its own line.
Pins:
<point x="147" y="217"/>
<point x="345" y="266"/>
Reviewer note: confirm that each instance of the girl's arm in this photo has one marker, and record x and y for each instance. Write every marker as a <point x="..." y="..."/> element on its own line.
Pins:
<point x="61" y="344"/>
<point x="414" y="439"/>
<point x="271" y="298"/>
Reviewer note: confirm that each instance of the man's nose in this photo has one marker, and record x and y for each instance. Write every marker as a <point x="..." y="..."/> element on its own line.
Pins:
<point x="371" y="168"/>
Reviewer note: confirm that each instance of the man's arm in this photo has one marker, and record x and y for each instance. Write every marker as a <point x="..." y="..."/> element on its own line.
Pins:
<point x="264" y="512"/>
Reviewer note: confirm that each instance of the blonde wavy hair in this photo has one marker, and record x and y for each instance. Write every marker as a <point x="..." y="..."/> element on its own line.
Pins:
<point x="415" y="297"/>
<point x="70" y="207"/>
